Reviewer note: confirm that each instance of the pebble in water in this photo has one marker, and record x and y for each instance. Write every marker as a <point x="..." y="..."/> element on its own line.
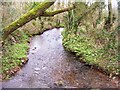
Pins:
<point x="36" y="69"/>
<point x="34" y="48"/>
<point x="44" y="67"/>
<point x="58" y="83"/>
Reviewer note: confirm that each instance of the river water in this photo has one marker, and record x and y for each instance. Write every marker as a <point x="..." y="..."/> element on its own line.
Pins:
<point x="51" y="66"/>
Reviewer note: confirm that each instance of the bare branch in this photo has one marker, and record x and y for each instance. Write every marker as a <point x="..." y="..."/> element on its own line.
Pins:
<point x="46" y="13"/>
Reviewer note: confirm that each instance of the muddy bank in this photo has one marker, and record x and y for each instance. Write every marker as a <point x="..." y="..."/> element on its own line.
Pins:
<point x="51" y="66"/>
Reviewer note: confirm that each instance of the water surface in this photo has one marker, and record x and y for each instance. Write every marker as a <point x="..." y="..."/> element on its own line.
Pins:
<point x="51" y="66"/>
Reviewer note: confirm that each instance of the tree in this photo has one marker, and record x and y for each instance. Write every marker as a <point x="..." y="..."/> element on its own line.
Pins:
<point x="110" y="12"/>
<point x="108" y="22"/>
<point x="119" y="29"/>
<point x="37" y="11"/>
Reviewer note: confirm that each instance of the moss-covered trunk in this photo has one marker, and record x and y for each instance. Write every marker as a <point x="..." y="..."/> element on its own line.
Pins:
<point x="32" y="14"/>
<point x="38" y="11"/>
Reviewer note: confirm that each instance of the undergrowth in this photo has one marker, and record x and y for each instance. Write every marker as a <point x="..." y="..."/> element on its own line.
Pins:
<point x="94" y="45"/>
<point x="105" y="57"/>
<point x="14" y="53"/>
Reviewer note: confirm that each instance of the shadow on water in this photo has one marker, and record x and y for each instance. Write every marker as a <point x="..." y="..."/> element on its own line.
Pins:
<point x="50" y="65"/>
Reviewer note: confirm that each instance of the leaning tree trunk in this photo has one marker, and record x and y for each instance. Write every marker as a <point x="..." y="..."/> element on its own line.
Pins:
<point x="32" y="14"/>
<point x="39" y="10"/>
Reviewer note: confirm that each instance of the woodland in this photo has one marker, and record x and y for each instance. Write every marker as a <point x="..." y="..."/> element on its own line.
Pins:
<point x="91" y="34"/>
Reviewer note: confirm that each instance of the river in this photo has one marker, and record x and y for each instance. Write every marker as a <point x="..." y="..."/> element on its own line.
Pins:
<point x="51" y="66"/>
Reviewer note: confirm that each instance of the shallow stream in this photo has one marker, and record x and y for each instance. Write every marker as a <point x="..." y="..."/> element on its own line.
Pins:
<point x="51" y="66"/>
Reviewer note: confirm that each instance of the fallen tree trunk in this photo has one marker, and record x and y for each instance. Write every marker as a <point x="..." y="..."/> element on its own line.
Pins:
<point x="32" y="14"/>
<point x="39" y="10"/>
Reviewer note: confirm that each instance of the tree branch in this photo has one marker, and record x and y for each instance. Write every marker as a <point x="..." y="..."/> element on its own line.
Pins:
<point x="39" y="10"/>
<point x="48" y="14"/>
<point x="32" y="14"/>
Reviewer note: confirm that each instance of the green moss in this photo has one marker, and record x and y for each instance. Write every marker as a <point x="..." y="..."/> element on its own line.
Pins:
<point x="30" y="15"/>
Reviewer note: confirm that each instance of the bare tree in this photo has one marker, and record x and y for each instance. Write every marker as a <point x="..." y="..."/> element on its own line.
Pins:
<point x="110" y="12"/>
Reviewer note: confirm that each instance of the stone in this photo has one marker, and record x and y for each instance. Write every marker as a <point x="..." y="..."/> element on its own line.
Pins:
<point x="36" y="69"/>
